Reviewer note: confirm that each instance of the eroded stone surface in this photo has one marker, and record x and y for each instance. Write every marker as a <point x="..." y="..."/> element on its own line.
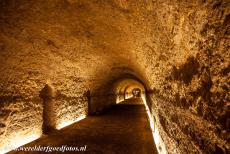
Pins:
<point x="179" y="49"/>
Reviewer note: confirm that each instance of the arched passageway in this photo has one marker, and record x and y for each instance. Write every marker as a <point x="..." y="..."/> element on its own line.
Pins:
<point x="123" y="89"/>
<point x="94" y="53"/>
<point x="125" y="125"/>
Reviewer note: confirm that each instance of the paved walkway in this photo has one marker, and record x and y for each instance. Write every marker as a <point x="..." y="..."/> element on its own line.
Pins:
<point x="123" y="129"/>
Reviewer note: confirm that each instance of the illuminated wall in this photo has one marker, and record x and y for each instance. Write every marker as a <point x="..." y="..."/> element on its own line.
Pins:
<point x="19" y="138"/>
<point x="154" y="124"/>
<point x="126" y="85"/>
<point x="23" y="123"/>
<point x="123" y="88"/>
<point x="24" y="119"/>
<point x="68" y="112"/>
<point x="179" y="49"/>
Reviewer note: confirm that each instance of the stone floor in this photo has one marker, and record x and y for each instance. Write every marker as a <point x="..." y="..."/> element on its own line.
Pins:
<point x="123" y="129"/>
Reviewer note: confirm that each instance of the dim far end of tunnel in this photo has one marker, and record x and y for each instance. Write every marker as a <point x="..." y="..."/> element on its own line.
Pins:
<point x="119" y="76"/>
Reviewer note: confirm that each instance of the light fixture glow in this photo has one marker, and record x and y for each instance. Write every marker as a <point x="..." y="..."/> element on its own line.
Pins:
<point x="18" y="139"/>
<point x="128" y="96"/>
<point x="156" y="135"/>
<point x="67" y="122"/>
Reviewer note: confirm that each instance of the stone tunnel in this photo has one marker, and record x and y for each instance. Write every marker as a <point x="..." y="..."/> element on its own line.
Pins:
<point x="70" y="62"/>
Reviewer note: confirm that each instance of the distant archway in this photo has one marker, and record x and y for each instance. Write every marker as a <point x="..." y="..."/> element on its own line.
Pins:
<point x="123" y="89"/>
<point x="136" y="92"/>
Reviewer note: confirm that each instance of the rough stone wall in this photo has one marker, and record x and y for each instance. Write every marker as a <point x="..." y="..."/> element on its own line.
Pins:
<point x="179" y="49"/>
<point x="188" y="68"/>
<point x="71" y="45"/>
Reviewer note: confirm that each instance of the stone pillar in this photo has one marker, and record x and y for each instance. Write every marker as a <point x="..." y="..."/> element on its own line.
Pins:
<point x="49" y="118"/>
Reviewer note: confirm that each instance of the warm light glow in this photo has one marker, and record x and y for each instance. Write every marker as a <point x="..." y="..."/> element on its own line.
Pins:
<point x="17" y="140"/>
<point x="118" y="100"/>
<point x="67" y="122"/>
<point x="128" y="96"/>
<point x="156" y="135"/>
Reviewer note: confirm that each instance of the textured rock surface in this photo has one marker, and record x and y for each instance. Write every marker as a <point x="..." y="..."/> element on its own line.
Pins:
<point x="179" y="49"/>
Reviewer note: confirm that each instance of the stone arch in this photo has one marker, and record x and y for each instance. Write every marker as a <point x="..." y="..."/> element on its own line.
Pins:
<point x="125" y="87"/>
